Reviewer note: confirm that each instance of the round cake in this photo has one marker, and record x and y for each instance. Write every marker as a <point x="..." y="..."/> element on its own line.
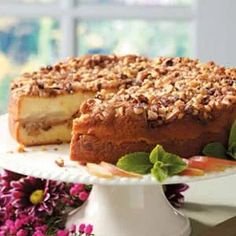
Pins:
<point x="120" y="105"/>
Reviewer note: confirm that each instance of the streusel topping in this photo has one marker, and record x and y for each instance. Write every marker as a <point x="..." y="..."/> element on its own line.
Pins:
<point x="170" y="89"/>
<point x="87" y="73"/>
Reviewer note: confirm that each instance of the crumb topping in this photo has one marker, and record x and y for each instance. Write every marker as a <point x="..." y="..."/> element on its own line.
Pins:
<point x="170" y="89"/>
<point x="160" y="90"/>
<point x="87" y="73"/>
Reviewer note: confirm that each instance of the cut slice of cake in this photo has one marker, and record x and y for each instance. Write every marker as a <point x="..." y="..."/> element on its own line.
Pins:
<point x="44" y="103"/>
<point x="181" y="104"/>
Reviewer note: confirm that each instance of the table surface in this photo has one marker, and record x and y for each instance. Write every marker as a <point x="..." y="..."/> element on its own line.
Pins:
<point x="210" y="202"/>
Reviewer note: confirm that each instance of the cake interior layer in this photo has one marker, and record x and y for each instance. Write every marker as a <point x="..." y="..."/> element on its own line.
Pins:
<point x="40" y="120"/>
<point x="60" y="133"/>
<point x="58" y="108"/>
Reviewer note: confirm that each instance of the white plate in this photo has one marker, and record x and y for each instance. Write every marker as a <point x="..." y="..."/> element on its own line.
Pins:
<point x="40" y="162"/>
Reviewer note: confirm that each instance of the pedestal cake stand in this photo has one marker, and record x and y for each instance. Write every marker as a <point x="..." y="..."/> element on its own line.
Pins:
<point x="116" y="207"/>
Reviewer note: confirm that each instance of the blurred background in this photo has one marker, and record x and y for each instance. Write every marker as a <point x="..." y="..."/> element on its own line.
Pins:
<point x="34" y="33"/>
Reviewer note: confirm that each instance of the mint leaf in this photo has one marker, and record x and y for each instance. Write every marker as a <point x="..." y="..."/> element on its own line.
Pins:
<point x="215" y="149"/>
<point x="166" y="163"/>
<point x="232" y="135"/>
<point x="232" y="150"/>
<point x="159" y="172"/>
<point x="156" y="154"/>
<point x="174" y="162"/>
<point x="137" y="162"/>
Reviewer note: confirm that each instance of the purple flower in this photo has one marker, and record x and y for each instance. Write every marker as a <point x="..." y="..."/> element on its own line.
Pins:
<point x="33" y="206"/>
<point x="174" y="194"/>
<point x="7" y="177"/>
<point x="35" y="196"/>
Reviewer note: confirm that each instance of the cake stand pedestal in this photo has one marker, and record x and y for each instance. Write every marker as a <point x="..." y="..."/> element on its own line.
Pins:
<point x="116" y="207"/>
<point x="131" y="211"/>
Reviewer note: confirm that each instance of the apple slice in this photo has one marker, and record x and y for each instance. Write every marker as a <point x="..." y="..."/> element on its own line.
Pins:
<point x="206" y="166"/>
<point x="99" y="171"/>
<point x="119" y="172"/>
<point x="209" y="164"/>
<point x="192" y="172"/>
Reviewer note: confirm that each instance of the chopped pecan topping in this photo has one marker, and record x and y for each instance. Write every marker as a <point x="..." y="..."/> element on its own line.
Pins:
<point x="164" y="89"/>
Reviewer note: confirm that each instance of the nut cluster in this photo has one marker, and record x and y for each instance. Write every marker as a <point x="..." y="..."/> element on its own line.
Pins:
<point x="87" y="73"/>
<point x="170" y="89"/>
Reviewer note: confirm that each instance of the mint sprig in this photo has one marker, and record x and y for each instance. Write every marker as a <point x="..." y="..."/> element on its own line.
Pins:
<point x="159" y="163"/>
<point x="137" y="162"/>
<point x="165" y="164"/>
<point x="159" y="171"/>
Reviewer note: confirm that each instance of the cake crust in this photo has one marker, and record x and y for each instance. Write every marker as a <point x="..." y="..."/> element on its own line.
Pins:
<point x="181" y="104"/>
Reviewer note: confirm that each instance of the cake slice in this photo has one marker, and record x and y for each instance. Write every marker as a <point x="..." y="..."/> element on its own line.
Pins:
<point x="44" y="103"/>
<point x="181" y="104"/>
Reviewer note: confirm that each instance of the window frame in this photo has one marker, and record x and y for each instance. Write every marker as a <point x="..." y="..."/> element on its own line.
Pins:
<point x="69" y="13"/>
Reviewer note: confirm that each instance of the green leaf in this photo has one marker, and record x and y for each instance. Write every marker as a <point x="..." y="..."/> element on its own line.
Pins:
<point x="137" y="162"/>
<point x="159" y="172"/>
<point x="232" y="134"/>
<point x="156" y="154"/>
<point x="168" y="163"/>
<point x="215" y="149"/>
<point x="175" y="163"/>
<point x="232" y="150"/>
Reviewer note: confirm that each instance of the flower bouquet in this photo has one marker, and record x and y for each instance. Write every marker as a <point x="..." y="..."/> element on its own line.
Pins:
<point x="39" y="207"/>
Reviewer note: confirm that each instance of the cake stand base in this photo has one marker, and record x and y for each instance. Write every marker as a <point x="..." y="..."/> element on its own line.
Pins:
<point x="131" y="211"/>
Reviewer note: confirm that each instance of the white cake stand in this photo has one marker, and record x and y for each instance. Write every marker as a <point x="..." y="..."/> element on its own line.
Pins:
<point x="116" y="207"/>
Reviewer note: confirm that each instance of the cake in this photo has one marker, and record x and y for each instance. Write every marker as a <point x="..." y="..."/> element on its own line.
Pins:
<point x="44" y="103"/>
<point x="125" y="104"/>
<point x="179" y="103"/>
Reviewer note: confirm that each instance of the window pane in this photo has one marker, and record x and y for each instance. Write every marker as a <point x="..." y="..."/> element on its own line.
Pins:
<point x="30" y="1"/>
<point x="25" y="44"/>
<point x="149" y="38"/>
<point x="141" y="2"/>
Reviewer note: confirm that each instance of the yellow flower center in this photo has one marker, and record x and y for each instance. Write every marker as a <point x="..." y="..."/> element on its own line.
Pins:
<point x="36" y="197"/>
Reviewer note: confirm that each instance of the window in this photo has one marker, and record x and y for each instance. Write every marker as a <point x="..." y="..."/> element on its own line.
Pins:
<point x="39" y="32"/>
<point x="135" y="36"/>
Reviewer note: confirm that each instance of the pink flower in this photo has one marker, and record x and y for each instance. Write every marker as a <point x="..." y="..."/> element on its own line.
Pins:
<point x="9" y="223"/>
<point x="73" y="228"/>
<point x="81" y="228"/>
<point x="42" y="228"/>
<point x="64" y="232"/>
<point x="19" y="223"/>
<point x="83" y="196"/>
<point x="76" y="189"/>
<point x="22" y="232"/>
<point x="38" y="233"/>
<point x="88" y="229"/>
